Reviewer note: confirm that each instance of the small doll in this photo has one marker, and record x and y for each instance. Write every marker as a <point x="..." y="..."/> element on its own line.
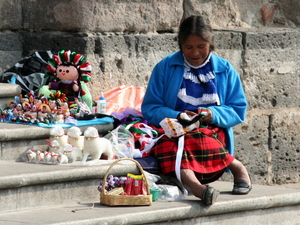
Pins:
<point x="23" y="99"/>
<point x="65" y="109"/>
<point x="44" y="111"/>
<point x="18" y="110"/>
<point x="11" y="104"/>
<point x="52" y="105"/>
<point x="31" y="111"/>
<point x="59" y="117"/>
<point x="37" y="102"/>
<point x="26" y="107"/>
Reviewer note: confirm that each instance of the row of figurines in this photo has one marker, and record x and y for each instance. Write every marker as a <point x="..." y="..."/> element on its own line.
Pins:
<point x="72" y="146"/>
<point x="40" y="112"/>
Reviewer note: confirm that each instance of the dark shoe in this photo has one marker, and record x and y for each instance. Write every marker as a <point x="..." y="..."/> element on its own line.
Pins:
<point x="241" y="187"/>
<point x="210" y="195"/>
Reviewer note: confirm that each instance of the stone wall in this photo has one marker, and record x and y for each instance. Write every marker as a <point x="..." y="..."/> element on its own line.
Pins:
<point x="124" y="39"/>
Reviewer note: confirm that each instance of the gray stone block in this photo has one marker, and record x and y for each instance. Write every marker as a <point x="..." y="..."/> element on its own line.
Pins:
<point x="10" y="49"/>
<point x="10" y="15"/>
<point x="290" y="10"/>
<point x="273" y="91"/>
<point x="8" y="59"/>
<point x="252" y="145"/>
<point x="271" y="69"/>
<point x="10" y="41"/>
<point x="285" y="146"/>
<point x="228" y="40"/>
<point x="42" y="41"/>
<point x="102" y="16"/>
<point x="280" y="38"/>
<point x="127" y="59"/>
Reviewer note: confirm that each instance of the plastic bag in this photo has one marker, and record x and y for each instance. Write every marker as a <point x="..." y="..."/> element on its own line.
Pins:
<point x="166" y="192"/>
<point x="169" y="193"/>
<point x="129" y="111"/>
<point x="29" y="72"/>
<point x="122" y="141"/>
<point x="172" y="128"/>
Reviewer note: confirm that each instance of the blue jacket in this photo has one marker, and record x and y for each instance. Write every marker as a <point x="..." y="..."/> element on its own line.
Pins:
<point x="161" y="94"/>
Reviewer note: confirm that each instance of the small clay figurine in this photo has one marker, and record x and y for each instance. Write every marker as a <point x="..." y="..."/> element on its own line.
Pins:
<point x="52" y="105"/>
<point x="65" y="109"/>
<point x="54" y="156"/>
<point x="95" y="146"/>
<point x="59" y="117"/>
<point x="75" y="138"/>
<point x="37" y="102"/>
<point x="31" y="155"/>
<point x="44" y="111"/>
<point x="40" y="156"/>
<point x="73" y="153"/>
<point x="18" y="110"/>
<point x="57" y="133"/>
<point x="47" y="156"/>
<point x="62" y="158"/>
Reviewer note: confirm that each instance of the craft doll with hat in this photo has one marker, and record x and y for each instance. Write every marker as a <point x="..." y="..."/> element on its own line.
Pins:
<point x="70" y="74"/>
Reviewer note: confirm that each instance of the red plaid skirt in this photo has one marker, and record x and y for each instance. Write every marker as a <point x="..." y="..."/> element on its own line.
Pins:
<point x="204" y="152"/>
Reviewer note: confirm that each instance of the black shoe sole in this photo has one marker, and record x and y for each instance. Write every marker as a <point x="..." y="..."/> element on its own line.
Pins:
<point x="210" y="195"/>
<point x="241" y="187"/>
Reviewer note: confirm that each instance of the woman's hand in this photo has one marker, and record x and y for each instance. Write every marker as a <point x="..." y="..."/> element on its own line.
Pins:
<point x="190" y="113"/>
<point x="208" y="117"/>
<point x="205" y="119"/>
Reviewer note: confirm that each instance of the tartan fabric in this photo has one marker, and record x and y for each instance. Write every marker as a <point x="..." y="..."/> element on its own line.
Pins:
<point x="203" y="152"/>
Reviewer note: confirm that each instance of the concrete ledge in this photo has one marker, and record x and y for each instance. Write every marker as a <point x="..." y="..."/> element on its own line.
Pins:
<point x="32" y="173"/>
<point x="17" y="131"/>
<point x="26" y="186"/>
<point x="264" y="205"/>
<point x="9" y="90"/>
<point x="16" y="139"/>
<point x="8" y="93"/>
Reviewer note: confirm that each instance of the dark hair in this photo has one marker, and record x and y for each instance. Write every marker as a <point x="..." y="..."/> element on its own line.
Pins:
<point x="195" y="25"/>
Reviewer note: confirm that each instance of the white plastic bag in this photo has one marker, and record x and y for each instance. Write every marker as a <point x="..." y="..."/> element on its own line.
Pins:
<point x="122" y="141"/>
<point x="169" y="193"/>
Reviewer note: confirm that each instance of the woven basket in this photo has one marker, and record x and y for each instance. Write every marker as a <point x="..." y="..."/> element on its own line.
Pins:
<point x="118" y="200"/>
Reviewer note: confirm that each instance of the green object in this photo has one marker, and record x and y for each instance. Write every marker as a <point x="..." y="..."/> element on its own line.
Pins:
<point x="155" y="193"/>
<point x="87" y="98"/>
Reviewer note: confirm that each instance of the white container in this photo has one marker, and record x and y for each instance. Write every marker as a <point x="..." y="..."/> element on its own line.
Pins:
<point x="101" y="105"/>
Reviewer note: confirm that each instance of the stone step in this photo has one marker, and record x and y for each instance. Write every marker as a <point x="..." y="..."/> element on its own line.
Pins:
<point x="33" y="193"/>
<point x="67" y="194"/>
<point x="16" y="139"/>
<point x="29" y="185"/>
<point x="8" y="93"/>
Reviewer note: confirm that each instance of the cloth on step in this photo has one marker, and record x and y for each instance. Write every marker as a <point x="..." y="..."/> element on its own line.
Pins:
<point x="79" y="123"/>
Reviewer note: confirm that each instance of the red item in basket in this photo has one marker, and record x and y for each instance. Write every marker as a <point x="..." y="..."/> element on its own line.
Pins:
<point x="137" y="187"/>
<point x="144" y="188"/>
<point x="128" y="185"/>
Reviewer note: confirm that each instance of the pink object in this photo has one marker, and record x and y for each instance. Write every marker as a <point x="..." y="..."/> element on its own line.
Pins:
<point x="121" y="97"/>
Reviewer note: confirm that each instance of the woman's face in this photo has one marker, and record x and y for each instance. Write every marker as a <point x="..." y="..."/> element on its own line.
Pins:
<point x="195" y="50"/>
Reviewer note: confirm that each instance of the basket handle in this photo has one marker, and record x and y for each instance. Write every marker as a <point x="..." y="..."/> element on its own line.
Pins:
<point x="121" y="159"/>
